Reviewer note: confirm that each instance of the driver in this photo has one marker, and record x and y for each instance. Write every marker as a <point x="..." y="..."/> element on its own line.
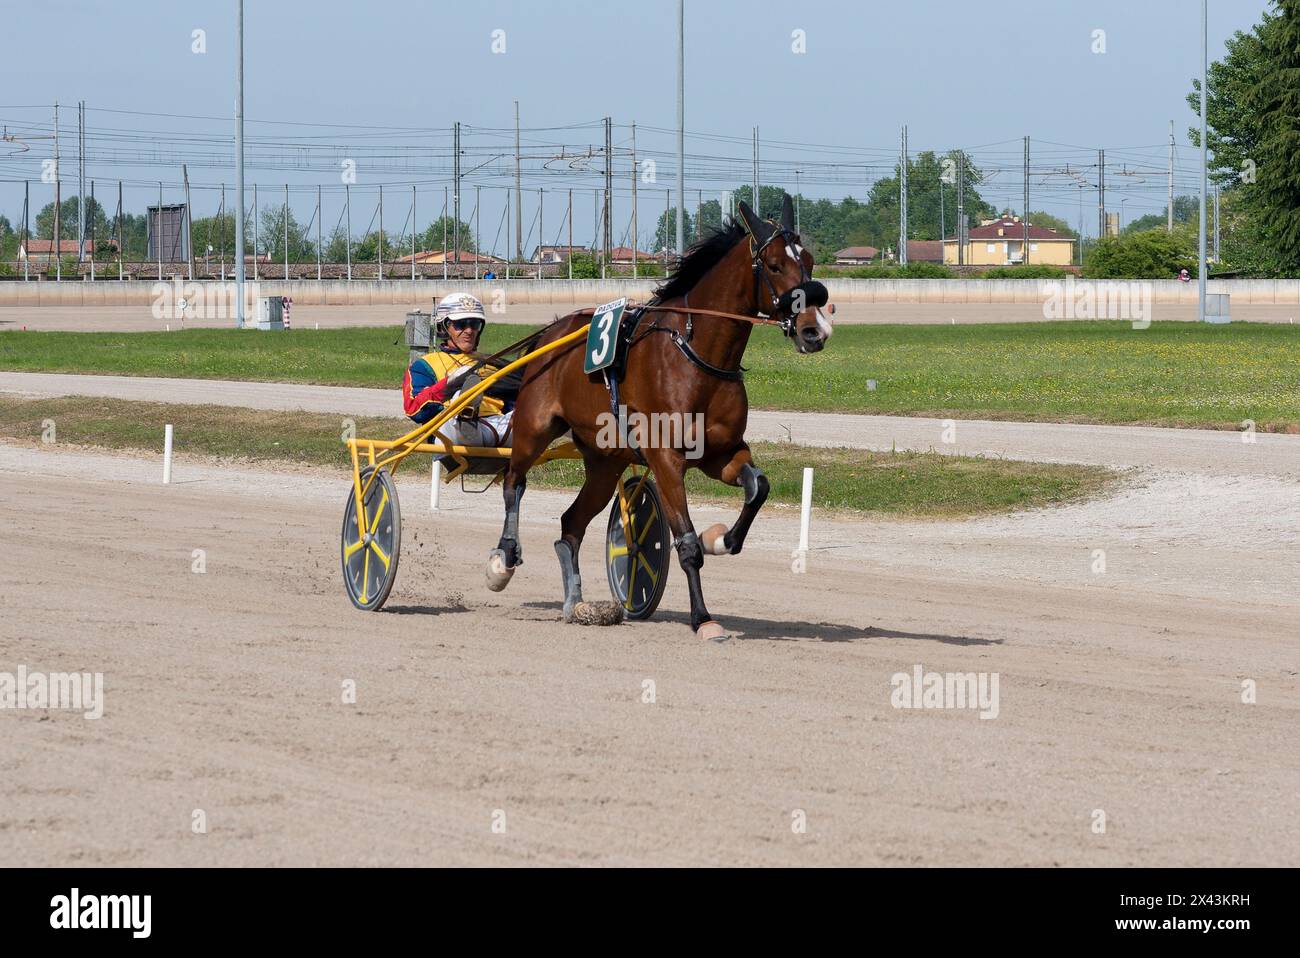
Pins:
<point x="436" y="377"/>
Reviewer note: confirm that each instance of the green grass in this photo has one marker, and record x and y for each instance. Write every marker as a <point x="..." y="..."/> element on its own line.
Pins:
<point x="913" y="485"/>
<point x="1173" y="374"/>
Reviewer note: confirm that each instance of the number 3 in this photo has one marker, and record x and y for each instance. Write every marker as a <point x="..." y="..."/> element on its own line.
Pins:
<point x="603" y="324"/>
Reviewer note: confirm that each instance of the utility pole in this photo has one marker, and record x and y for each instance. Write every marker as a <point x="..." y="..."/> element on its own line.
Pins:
<point x="1025" y="244"/>
<point x="444" y="234"/>
<point x="81" y="181"/>
<point x="570" y="251"/>
<point x="1101" y="194"/>
<point x="1216" y="225"/>
<point x="902" y="201"/>
<point x="379" y="244"/>
<point x="58" y="201"/>
<point x="681" y="132"/>
<point x="609" y="187"/>
<point x="541" y="230"/>
<point x="1169" y="212"/>
<point x="635" y="244"/>
<point x="187" y="189"/>
<point x="256" y="217"/>
<point x="27" y="233"/>
<point x="320" y="212"/>
<point x="755" y="204"/>
<point x="961" y="208"/>
<point x="478" y="223"/>
<point x="286" y="232"/>
<point x="455" y="199"/>
<point x="239" y="166"/>
<point x="121" y="250"/>
<point x="189" y="224"/>
<point x="1205" y="159"/>
<point x="412" y="232"/>
<point x="519" y="196"/>
<point x="347" y="207"/>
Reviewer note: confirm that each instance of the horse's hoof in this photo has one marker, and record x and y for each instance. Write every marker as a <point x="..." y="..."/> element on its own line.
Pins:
<point x="498" y="573"/>
<point x="713" y="539"/>
<point x="712" y="631"/>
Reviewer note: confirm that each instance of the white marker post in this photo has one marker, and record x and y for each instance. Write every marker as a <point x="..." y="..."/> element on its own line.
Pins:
<point x="805" y="516"/>
<point x="167" y="455"/>
<point x="435" y="485"/>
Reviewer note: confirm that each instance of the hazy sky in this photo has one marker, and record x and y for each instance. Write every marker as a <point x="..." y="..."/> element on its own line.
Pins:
<point x="381" y="83"/>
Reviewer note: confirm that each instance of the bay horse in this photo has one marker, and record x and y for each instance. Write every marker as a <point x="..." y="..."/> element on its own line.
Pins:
<point x="754" y="270"/>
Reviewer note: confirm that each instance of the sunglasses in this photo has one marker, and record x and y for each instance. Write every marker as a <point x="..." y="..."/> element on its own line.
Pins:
<point x="462" y="324"/>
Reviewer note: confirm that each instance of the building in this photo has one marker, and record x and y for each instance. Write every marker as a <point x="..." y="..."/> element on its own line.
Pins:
<point x="856" y="256"/>
<point x="623" y="255"/>
<point x="557" y="254"/>
<point x="41" y="251"/>
<point x="1001" y="242"/>
<point x="436" y="257"/>
<point x="925" y="251"/>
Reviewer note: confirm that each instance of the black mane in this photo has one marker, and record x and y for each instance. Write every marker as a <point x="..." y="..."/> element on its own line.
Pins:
<point x="701" y="258"/>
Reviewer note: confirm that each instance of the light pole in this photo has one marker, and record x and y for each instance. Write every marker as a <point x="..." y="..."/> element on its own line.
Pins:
<point x="239" y="166"/>
<point x="1121" y="213"/>
<point x="1205" y="154"/>
<point x="681" y="132"/>
<point x="796" y="201"/>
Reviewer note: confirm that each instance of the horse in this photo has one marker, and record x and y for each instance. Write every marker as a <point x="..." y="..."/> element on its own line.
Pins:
<point x="752" y="270"/>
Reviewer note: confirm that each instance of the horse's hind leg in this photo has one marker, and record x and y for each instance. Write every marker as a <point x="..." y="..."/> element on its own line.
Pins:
<point x="735" y="469"/>
<point x="596" y="491"/>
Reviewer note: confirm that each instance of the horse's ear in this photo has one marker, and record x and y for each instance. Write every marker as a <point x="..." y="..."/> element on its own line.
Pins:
<point x="787" y="214"/>
<point x="757" y="228"/>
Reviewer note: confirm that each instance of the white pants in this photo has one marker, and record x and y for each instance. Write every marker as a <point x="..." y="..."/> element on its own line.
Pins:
<point x="488" y="431"/>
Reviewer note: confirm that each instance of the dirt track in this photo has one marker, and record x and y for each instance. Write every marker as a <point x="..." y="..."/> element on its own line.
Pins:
<point x="1119" y="691"/>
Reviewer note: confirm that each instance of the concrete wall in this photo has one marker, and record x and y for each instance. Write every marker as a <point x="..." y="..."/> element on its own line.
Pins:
<point x="422" y="293"/>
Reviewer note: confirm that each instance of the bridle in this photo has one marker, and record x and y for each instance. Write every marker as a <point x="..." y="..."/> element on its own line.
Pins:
<point x="782" y="303"/>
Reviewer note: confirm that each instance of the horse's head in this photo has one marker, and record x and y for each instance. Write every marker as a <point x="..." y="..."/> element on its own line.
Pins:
<point x="783" y="285"/>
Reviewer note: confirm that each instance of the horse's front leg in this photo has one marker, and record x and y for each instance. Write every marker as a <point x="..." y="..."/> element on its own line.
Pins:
<point x="669" y="470"/>
<point x="735" y="469"/>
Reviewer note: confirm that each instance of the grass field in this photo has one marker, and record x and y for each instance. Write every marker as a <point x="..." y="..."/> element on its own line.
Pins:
<point x="1172" y="374"/>
<point x="916" y="485"/>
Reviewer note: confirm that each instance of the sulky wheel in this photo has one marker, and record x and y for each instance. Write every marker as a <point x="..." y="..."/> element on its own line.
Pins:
<point x="370" y="549"/>
<point x="637" y="554"/>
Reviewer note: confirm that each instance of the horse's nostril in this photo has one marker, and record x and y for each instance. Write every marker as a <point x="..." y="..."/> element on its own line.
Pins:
<point x="811" y="333"/>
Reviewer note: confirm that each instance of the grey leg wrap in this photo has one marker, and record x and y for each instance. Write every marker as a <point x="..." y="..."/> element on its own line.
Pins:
<point x="569" y="575"/>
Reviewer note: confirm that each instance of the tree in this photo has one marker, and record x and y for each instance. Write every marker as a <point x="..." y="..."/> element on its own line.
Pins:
<point x="366" y="249"/>
<point x="1187" y="209"/>
<point x="666" y="229"/>
<point x="431" y="239"/>
<point x="1274" y="103"/>
<point x="1040" y="218"/>
<point x="1233" y="129"/>
<point x="1155" y="254"/>
<point x="214" y="237"/>
<point x="68" y="219"/>
<point x="271" y="235"/>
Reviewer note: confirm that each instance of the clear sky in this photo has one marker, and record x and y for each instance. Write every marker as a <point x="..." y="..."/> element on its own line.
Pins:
<point x="382" y="83"/>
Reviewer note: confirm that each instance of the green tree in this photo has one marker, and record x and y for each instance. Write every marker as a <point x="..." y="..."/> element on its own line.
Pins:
<point x="1155" y="254"/>
<point x="666" y="229"/>
<point x="430" y="239"/>
<point x="1274" y="103"/>
<point x="1187" y="209"/>
<point x="214" y="238"/>
<point x="1041" y="218"/>
<point x="584" y="266"/>
<point x="68" y="219"/>
<point x="271" y="236"/>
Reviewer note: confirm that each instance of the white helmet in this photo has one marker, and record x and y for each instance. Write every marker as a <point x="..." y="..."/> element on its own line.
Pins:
<point x="458" y="306"/>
